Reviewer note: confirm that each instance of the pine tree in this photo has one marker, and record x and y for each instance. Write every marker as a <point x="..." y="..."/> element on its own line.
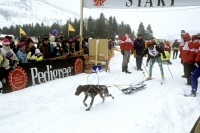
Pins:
<point x="109" y="28"/>
<point x="121" y="29"/>
<point x="141" y="30"/>
<point x="149" y="33"/>
<point x="115" y="26"/>
<point x="133" y="34"/>
<point x="90" y="27"/>
<point x="100" y="27"/>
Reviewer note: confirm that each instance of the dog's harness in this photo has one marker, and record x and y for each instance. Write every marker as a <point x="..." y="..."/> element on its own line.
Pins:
<point x="91" y="87"/>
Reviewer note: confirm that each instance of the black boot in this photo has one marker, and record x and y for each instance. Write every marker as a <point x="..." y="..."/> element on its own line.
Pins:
<point x="123" y="69"/>
<point x="126" y="70"/>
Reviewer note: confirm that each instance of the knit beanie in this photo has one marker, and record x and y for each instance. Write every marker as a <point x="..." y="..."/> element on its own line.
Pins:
<point x="5" y="41"/>
<point x="22" y="44"/>
<point x="9" y="54"/>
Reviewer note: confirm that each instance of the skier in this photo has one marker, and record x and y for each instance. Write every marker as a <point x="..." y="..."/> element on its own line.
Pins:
<point x="126" y="47"/>
<point x="153" y="52"/>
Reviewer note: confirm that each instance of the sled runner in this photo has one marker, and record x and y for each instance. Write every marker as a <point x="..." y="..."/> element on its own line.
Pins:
<point x="134" y="88"/>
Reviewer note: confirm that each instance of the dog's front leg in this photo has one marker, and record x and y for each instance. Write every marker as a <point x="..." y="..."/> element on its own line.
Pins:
<point x="85" y="100"/>
<point x="91" y="103"/>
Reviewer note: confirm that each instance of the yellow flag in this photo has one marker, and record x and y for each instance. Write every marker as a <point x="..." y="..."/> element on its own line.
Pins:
<point x="22" y="31"/>
<point x="70" y="27"/>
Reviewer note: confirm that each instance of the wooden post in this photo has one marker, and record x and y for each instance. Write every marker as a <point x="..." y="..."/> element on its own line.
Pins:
<point x="97" y="45"/>
<point x="81" y="23"/>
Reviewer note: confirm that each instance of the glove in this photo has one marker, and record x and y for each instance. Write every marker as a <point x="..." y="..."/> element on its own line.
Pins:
<point x="33" y="57"/>
<point x="28" y="55"/>
<point x="196" y="64"/>
<point x="122" y="52"/>
<point x="147" y="63"/>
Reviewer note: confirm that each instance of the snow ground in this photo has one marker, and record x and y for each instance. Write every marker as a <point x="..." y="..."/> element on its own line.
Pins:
<point x="53" y="108"/>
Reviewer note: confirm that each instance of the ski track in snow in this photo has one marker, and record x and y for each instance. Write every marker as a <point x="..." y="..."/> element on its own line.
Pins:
<point x="52" y="107"/>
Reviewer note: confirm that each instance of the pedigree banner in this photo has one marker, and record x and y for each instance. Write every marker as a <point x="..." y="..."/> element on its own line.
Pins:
<point x="29" y="74"/>
<point x="137" y="4"/>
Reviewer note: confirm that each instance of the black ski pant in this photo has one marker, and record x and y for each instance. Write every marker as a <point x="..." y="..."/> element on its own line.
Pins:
<point x="189" y="68"/>
<point x="184" y="69"/>
<point x="175" y="54"/>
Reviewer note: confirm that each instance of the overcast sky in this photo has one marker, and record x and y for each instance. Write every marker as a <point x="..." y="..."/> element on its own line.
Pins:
<point x="166" y="22"/>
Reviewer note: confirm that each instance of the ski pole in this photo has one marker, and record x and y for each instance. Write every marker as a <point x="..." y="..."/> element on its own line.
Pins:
<point x="169" y="70"/>
<point x="145" y="68"/>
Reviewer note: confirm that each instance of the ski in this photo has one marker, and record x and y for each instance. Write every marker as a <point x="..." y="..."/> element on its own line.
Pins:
<point x="148" y="79"/>
<point x="190" y="95"/>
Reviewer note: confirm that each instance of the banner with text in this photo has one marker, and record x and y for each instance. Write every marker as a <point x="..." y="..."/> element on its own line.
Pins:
<point x="29" y="74"/>
<point x="137" y="4"/>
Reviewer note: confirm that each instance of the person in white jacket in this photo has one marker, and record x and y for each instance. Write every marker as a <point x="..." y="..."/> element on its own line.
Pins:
<point x="5" y="49"/>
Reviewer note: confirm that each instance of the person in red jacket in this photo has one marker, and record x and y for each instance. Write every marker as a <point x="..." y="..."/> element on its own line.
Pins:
<point x="126" y="47"/>
<point x="167" y="46"/>
<point x="180" y="49"/>
<point x="185" y="52"/>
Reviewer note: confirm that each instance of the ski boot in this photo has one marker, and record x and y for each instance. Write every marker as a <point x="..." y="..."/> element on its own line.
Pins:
<point x="162" y="76"/>
<point x="149" y="78"/>
<point x="126" y="70"/>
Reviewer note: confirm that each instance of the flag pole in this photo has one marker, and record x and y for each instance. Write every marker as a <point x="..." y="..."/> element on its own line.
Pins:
<point x="68" y="29"/>
<point x="81" y="23"/>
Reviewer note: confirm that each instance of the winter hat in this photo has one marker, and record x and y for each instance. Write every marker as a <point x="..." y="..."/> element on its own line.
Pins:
<point x="65" y="41"/>
<point x="198" y="35"/>
<point x="54" y="32"/>
<point x="187" y="36"/>
<point x="9" y="54"/>
<point x="8" y="37"/>
<point x="29" y="40"/>
<point x="22" y="44"/>
<point x="45" y="38"/>
<point x="128" y="31"/>
<point x="149" y="43"/>
<point x="182" y="32"/>
<point x="58" y="40"/>
<point x="194" y="37"/>
<point x="70" y="42"/>
<point x="23" y="38"/>
<point x="5" y="41"/>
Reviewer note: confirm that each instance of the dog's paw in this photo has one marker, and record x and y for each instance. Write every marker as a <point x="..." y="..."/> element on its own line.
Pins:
<point x="103" y="100"/>
<point x="88" y="109"/>
<point x="85" y="104"/>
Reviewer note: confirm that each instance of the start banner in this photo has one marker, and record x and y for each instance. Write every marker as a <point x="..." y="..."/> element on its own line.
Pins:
<point x="137" y="4"/>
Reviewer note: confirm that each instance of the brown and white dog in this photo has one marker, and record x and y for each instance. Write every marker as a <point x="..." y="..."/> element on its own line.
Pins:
<point x="93" y="90"/>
